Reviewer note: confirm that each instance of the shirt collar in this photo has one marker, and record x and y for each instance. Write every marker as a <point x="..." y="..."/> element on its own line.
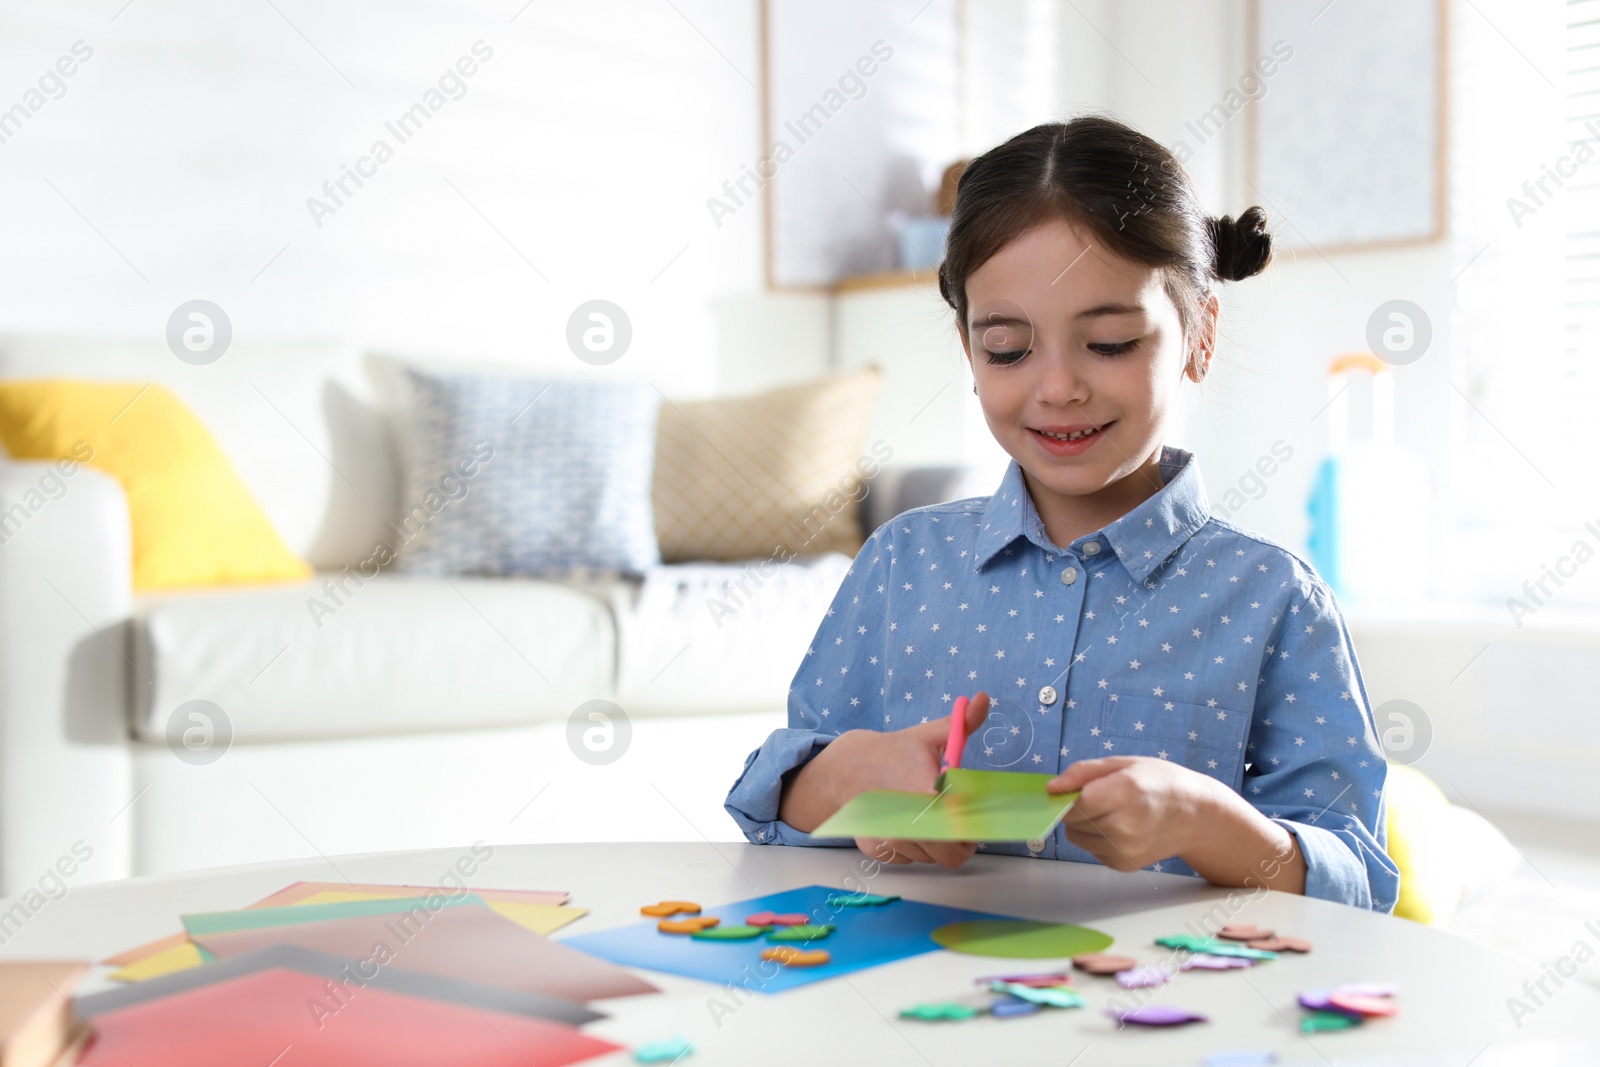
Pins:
<point x="1142" y="539"/>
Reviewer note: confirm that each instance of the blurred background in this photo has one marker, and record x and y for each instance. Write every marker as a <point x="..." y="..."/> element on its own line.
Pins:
<point x="268" y="207"/>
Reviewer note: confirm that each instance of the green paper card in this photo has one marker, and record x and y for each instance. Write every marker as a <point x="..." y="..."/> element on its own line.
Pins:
<point x="971" y="806"/>
<point x="201" y="924"/>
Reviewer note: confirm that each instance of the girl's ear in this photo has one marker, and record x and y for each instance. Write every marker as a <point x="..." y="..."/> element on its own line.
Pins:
<point x="1204" y="344"/>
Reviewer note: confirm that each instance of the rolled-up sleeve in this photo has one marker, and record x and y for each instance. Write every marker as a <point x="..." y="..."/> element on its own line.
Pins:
<point x="838" y="687"/>
<point x="1315" y="765"/>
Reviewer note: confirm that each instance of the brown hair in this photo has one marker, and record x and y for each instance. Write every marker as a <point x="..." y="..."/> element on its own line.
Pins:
<point x="1127" y="190"/>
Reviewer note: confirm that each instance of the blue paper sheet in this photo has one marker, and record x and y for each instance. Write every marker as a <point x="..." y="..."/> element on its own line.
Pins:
<point x="866" y="937"/>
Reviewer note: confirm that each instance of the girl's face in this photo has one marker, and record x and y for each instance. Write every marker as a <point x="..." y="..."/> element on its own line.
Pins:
<point x="1077" y="355"/>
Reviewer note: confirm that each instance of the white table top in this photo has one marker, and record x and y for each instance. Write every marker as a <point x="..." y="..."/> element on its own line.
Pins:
<point x="1453" y="994"/>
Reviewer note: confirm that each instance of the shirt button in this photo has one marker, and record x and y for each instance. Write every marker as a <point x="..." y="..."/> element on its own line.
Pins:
<point x="1036" y="845"/>
<point x="1069" y="576"/>
<point x="1047" y="695"/>
<point x="1091" y="548"/>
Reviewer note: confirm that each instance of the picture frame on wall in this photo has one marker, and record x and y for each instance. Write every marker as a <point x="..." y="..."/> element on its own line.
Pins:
<point x="859" y="123"/>
<point x="1347" y="142"/>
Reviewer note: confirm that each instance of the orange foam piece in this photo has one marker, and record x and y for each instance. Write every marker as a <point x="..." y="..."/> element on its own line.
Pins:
<point x="687" y="926"/>
<point x="671" y="907"/>
<point x="796" y="957"/>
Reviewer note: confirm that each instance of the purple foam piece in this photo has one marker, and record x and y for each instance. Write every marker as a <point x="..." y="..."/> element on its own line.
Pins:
<point x="1011" y="1008"/>
<point x="1142" y="978"/>
<point x="1155" y="1015"/>
<point x="1206" y="962"/>
<point x="1317" y="1000"/>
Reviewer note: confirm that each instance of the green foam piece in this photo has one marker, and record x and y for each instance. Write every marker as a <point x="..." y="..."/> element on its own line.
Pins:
<point x="1213" y="947"/>
<point x="1020" y="939"/>
<point x="728" y="933"/>
<point x="780" y="934"/>
<point x="664" y="1051"/>
<point x="860" y="900"/>
<point x="939" y="1012"/>
<point x="969" y="806"/>
<point x="1322" y="1021"/>
<point x="1050" y="996"/>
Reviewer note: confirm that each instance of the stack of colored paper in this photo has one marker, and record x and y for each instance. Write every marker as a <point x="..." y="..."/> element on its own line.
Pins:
<point x="345" y="974"/>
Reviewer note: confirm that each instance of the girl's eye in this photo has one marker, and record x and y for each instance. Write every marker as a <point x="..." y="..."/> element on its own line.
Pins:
<point x="1114" y="349"/>
<point x="1008" y="358"/>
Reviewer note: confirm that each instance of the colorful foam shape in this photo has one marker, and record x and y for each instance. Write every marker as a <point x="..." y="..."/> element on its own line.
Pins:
<point x="1047" y="980"/>
<point x="671" y="907"/>
<point x="941" y="1011"/>
<point x="1051" y="997"/>
<point x="860" y="900"/>
<point x="1155" y="1015"/>
<point x="1021" y="939"/>
<point x="1142" y="978"/>
<point x="803" y="934"/>
<point x="1361" y="1004"/>
<point x="864" y="937"/>
<point x="1012" y="1008"/>
<point x="1205" y="962"/>
<point x="790" y="956"/>
<point x="667" y="1050"/>
<point x="1319" y="1022"/>
<point x="1214" y="947"/>
<point x="728" y="933"/>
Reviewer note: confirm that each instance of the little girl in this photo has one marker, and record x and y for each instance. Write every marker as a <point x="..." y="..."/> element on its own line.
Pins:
<point x="1194" y="680"/>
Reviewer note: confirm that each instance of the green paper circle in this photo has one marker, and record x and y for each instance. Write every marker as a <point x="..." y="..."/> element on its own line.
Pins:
<point x="1020" y="940"/>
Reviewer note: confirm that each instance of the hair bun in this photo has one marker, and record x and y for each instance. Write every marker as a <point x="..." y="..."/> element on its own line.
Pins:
<point x="1241" y="247"/>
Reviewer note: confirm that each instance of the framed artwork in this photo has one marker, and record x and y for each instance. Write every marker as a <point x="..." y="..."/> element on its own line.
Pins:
<point x="861" y="113"/>
<point x="1346" y="140"/>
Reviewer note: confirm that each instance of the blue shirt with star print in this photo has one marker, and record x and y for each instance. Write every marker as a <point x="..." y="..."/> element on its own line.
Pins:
<point x="1168" y="633"/>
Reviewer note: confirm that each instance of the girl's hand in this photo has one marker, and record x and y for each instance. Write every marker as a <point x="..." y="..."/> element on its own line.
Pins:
<point x="859" y="760"/>
<point x="1134" y="810"/>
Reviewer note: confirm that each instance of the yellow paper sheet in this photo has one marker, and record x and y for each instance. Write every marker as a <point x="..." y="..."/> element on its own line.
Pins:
<point x="177" y="958"/>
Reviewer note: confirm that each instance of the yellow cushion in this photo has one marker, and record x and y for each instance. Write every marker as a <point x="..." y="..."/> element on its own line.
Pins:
<point x="1421" y="843"/>
<point x="746" y="477"/>
<point x="194" y="521"/>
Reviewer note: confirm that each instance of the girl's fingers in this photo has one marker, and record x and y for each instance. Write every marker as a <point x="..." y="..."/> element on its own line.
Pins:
<point x="949" y="853"/>
<point x="1085" y="771"/>
<point x="895" y="851"/>
<point x="977" y="711"/>
<point x="944" y="853"/>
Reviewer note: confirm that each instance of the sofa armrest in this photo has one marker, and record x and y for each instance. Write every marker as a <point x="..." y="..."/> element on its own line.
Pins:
<point x="896" y="490"/>
<point x="65" y="599"/>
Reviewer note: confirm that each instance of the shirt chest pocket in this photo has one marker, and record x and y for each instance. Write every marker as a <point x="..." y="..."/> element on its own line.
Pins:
<point x="1205" y="739"/>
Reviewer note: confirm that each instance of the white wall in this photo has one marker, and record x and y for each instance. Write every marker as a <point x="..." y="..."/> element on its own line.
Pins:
<point x="179" y="162"/>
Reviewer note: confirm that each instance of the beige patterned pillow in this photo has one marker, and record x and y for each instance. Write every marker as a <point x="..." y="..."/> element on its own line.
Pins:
<point x="752" y="476"/>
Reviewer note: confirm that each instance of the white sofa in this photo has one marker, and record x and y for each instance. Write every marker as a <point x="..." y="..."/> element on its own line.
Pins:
<point x="421" y="713"/>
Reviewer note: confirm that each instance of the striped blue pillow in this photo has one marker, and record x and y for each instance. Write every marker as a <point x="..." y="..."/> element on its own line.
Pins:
<point x="507" y="474"/>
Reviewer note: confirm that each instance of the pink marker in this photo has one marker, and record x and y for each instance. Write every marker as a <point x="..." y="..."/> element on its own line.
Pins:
<point x="958" y="736"/>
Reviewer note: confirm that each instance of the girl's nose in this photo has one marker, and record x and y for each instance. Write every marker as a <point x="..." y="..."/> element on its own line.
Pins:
<point x="1060" y="383"/>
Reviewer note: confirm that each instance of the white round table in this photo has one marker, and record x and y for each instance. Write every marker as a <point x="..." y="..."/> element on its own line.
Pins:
<point x="1453" y="994"/>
